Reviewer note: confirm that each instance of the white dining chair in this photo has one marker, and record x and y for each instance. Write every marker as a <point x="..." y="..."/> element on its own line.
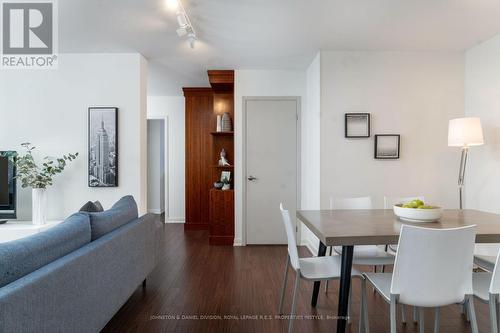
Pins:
<point x="486" y="287"/>
<point x="433" y="268"/>
<point x="371" y="255"/>
<point x="485" y="256"/>
<point x="312" y="269"/>
<point x="389" y="202"/>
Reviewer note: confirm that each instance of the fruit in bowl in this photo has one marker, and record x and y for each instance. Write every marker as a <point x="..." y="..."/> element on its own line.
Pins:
<point x="417" y="211"/>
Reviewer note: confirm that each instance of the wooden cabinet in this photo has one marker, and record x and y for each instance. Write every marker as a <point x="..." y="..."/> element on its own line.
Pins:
<point x="221" y="217"/>
<point x="199" y="116"/>
<point x="206" y="207"/>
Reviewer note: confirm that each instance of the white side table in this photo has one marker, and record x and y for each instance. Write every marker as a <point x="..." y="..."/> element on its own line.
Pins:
<point x="13" y="230"/>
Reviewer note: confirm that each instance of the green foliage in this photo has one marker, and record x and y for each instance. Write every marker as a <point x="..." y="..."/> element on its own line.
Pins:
<point x="34" y="176"/>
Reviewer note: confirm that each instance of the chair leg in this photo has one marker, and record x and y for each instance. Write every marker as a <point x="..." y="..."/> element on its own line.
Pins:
<point x="349" y="305"/>
<point x="364" y="325"/>
<point x="493" y="314"/>
<point x="415" y="315"/>
<point x="403" y="314"/>
<point x="436" y="320"/>
<point x="472" y="314"/>
<point x="393" y="314"/>
<point x="421" y="320"/>
<point x="292" y="314"/>
<point x="282" y="298"/>
<point x="326" y="283"/>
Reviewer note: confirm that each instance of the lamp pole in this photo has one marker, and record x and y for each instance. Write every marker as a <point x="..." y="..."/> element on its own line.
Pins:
<point x="461" y="173"/>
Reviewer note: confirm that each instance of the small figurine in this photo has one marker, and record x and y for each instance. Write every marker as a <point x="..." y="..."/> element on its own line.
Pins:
<point x="223" y="161"/>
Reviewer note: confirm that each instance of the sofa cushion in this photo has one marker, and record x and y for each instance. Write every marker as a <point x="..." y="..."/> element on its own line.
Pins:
<point x="25" y="255"/>
<point x="122" y="212"/>
<point x="92" y="207"/>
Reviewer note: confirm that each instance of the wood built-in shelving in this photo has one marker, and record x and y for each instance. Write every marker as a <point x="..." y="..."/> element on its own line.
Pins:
<point x="222" y="133"/>
<point x="221" y="220"/>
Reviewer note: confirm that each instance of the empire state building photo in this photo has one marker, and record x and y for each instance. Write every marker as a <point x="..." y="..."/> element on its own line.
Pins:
<point x="102" y="147"/>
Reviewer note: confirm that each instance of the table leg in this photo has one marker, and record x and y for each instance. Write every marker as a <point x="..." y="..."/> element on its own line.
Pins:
<point x="345" y="284"/>
<point x="321" y="253"/>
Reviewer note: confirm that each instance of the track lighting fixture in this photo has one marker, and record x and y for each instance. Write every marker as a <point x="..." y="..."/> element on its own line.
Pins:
<point x="185" y="26"/>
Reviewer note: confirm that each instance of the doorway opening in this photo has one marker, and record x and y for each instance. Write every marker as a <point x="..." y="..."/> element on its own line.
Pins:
<point x="156" y="167"/>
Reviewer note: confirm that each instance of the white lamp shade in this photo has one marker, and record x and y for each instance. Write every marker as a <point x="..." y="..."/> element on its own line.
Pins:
<point x="465" y="132"/>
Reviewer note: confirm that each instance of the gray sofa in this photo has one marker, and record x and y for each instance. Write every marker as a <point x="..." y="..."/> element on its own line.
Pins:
<point x="75" y="276"/>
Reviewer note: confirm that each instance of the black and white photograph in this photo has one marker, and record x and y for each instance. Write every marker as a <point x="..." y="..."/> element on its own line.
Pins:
<point x="103" y="147"/>
<point x="357" y="125"/>
<point x="387" y="146"/>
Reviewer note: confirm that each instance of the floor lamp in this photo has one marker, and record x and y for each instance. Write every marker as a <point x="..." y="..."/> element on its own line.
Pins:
<point x="464" y="133"/>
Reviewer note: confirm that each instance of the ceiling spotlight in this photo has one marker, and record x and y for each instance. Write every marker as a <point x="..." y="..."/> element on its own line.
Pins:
<point x="185" y="26"/>
<point x="181" y="32"/>
<point x="182" y="20"/>
<point x="192" y="40"/>
<point x="172" y="4"/>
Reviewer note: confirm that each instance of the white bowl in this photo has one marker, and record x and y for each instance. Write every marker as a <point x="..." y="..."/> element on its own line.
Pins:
<point x="417" y="214"/>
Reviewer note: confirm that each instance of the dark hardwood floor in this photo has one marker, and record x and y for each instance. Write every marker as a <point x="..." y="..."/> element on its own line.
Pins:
<point x="194" y="279"/>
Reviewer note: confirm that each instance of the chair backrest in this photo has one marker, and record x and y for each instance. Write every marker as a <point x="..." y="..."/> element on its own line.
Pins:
<point x="495" y="278"/>
<point x="433" y="267"/>
<point x="351" y="203"/>
<point x="290" y="235"/>
<point x="391" y="201"/>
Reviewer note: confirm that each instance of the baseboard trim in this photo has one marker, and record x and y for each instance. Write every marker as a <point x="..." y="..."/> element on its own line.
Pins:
<point x="238" y="242"/>
<point x="156" y="211"/>
<point x="313" y="249"/>
<point x="175" y="220"/>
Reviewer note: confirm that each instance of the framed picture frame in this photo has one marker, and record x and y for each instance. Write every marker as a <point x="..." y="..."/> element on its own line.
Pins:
<point x="225" y="174"/>
<point x="357" y="125"/>
<point x="387" y="146"/>
<point x="103" y="147"/>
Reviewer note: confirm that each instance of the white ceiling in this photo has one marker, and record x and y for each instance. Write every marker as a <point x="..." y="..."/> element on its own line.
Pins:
<point x="267" y="34"/>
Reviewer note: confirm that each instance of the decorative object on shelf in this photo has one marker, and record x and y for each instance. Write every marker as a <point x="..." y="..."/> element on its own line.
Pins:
<point x="387" y="146"/>
<point x="225" y="174"/>
<point x="225" y="178"/>
<point x="226" y="122"/>
<point x="357" y="125"/>
<point x="218" y="185"/>
<point x="103" y="147"/>
<point x="223" y="160"/>
<point x="227" y="184"/>
<point x="464" y="133"/>
<point x="219" y="123"/>
<point x="39" y="177"/>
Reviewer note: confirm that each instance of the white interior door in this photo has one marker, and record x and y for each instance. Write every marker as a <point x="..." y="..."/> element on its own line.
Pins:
<point x="271" y="167"/>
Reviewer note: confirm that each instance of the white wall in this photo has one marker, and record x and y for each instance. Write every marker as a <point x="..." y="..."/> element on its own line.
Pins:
<point x="258" y="83"/>
<point x="412" y="94"/>
<point x="482" y="99"/>
<point x="156" y="166"/>
<point x="310" y="135"/>
<point x="171" y="108"/>
<point x="49" y="109"/>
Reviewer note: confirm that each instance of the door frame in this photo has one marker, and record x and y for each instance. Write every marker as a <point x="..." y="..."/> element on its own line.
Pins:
<point x="298" y="101"/>
<point x="166" y="141"/>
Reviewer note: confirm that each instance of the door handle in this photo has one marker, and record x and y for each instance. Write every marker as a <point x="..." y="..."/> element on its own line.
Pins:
<point x="251" y="178"/>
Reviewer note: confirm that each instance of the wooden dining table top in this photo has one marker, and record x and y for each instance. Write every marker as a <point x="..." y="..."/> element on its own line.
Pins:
<point x="381" y="226"/>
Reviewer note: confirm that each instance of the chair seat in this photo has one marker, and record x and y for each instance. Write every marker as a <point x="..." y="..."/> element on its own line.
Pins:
<point x="369" y="255"/>
<point x="485" y="262"/>
<point x="481" y="285"/>
<point x="322" y="268"/>
<point x="382" y="283"/>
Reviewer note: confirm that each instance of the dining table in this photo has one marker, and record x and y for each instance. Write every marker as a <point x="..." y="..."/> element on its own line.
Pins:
<point x="347" y="228"/>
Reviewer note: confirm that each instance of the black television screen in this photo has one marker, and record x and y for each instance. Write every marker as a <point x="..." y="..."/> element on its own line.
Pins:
<point x="7" y="185"/>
